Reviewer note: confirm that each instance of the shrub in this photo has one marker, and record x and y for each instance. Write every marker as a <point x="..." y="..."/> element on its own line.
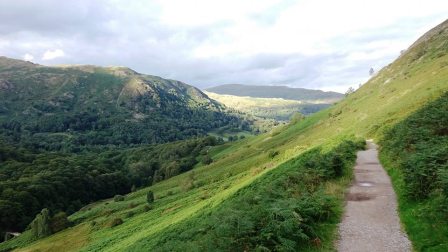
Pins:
<point x="272" y="154"/>
<point x="115" y="222"/>
<point x="150" y="197"/>
<point x="118" y="198"/>
<point x="207" y="160"/>
<point x="59" y="222"/>
<point x="187" y="184"/>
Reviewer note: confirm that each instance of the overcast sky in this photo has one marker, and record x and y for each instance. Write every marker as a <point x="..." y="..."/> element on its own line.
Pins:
<point x="327" y="45"/>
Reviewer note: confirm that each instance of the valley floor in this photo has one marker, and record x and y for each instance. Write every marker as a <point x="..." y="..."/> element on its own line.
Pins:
<point x="370" y="222"/>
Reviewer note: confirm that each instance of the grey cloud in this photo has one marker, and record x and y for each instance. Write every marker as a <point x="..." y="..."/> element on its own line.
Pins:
<point x="107" y="33"/>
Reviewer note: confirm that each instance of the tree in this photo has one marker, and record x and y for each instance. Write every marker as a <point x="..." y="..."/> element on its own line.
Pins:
<point x="118" y="198"/>
<point x="371" y="71"/>
<point x="150" y="197"/>
<point x="207" y="159"/>
<point x="296" y="117"/>
<point x="350" y="91"/>
<point x="40" y="227"/>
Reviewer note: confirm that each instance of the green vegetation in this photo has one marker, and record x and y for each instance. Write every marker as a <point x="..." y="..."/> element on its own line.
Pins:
<point x="70" y="109"/>
<point x="288" y="209"/>
<point x="300" y="94"/>
<point x="269" y="108"/>
<point x="40" y="227"/>
<point x="415" y="152"/>
<point x="150" y="197"/>
<point x="65" y="182"/>
<point x="118" y="198"/>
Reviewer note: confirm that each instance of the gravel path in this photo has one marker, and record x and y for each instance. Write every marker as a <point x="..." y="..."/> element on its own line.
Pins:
<point x="370" y="221"/>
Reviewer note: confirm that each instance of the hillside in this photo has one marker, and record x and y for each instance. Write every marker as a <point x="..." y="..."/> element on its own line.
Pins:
<point x="273" y="108"/>
<point x="284" y="92"/>
<point x="282" y="190"/>
<point x="69" y="107"/>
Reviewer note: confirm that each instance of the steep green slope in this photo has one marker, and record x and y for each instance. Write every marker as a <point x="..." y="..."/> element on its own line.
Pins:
<point x="290" y="208"/>
<point x="66" y="108"/>
<point x="300" y="94"/>
<point x="415" y="152"/>
<point x="418" y="77"/>
<point x="274" y="108"/>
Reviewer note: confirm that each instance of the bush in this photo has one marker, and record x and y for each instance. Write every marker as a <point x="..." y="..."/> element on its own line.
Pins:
<point x="118" y="198"/>
<point x="115" y="222"/>
<point x="207" y="159"/>
<point x="59" y="222"/>
<point x="272" y="154"/>
<point x="150" y="197"/>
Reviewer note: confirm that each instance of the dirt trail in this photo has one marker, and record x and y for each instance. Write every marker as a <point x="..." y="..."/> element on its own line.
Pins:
<point x="370" y="221"/>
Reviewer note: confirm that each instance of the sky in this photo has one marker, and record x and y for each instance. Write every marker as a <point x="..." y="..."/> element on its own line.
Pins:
<point x="318" y="44"/>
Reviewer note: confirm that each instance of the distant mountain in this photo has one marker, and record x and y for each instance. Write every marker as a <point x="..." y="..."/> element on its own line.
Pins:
<point x="270" y="108"/>
<point x="64" y="107"/>
<point x="300" y="94"/>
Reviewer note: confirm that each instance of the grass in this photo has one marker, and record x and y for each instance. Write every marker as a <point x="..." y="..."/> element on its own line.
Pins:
<point x="71" y="239"/>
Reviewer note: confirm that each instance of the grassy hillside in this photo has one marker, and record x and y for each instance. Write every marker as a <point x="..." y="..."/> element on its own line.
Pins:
<point x="274" y="108"/>
<point x="299" y="94"/>
<point x="415" y="153"/>
<point x="251" y="167"/>
<point x="70" y="107"/>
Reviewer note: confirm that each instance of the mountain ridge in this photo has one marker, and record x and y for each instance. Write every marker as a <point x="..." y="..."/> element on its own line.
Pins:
<point x="79" y="100"/>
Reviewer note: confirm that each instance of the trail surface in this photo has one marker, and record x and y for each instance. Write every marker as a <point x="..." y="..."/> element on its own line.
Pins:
<point x="370" y="221"/>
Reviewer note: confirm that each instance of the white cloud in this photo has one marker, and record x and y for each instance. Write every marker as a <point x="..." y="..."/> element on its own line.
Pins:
<point x="28" y="57"/>
<point x="53" y="54"/>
